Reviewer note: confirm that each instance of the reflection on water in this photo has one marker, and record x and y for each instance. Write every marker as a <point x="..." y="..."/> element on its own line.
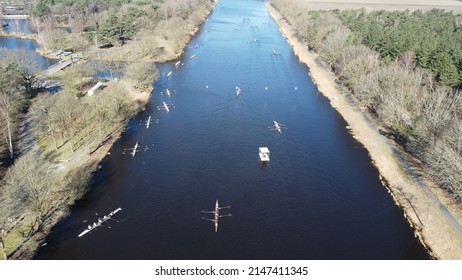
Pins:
<point x="18" y="26"/>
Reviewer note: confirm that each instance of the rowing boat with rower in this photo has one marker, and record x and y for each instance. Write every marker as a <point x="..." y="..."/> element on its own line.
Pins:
<point x="277" y="126"/>
<point x="238" y="91"/>
<point x="135" y="149"/>
<point x="148" y="122"/>
<point x="165" y="107"/>
<point x="216" y="214"/>
<point x="99" y="222"/>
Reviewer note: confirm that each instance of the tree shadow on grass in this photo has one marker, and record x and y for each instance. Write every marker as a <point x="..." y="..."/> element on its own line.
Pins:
<point x="52" y="155"/>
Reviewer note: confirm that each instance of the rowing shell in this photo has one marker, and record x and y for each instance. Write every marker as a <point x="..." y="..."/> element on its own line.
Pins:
<point x="166" y="107"/>
<point x="238" y="91"/>
<point x="133" y="153"/>
<point x="216" y="214"/>
<point x="148" y="122"/>
<point x="99" y="223"/>
<point x="277" y="126"/>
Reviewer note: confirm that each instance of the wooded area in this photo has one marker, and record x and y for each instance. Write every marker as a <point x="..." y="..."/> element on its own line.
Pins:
<point x="149" y="30"/>
<point x="405" y="69"/>
<point x="435" y="37"/>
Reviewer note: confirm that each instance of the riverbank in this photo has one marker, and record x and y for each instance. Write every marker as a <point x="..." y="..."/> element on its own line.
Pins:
<point x="20" y="36"/>
<point x="15" y="16"/>
<point x="436" y="221"/>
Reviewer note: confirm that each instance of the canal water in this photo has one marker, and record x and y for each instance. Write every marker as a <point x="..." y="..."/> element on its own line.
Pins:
<point x="25" y="46"/>
<point x="318" y="198"/>
<point x="19" y="26"/>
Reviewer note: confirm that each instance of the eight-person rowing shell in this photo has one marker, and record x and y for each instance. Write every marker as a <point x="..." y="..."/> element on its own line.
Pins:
<point x="165" y="107"/>
<point x="99" y="222"/>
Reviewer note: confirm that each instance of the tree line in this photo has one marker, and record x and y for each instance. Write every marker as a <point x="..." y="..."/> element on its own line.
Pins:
<point x="406" y="83"/>
<point x="435" y="37"/>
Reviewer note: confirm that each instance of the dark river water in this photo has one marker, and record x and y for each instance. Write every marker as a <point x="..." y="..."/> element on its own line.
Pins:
<point x="318" y="198"/>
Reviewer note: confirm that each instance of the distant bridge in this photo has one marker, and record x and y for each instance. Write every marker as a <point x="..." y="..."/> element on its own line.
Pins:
<point x="12" y="11"/>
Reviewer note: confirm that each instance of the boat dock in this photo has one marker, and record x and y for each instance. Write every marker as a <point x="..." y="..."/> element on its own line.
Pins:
<point x="53" y="69"/>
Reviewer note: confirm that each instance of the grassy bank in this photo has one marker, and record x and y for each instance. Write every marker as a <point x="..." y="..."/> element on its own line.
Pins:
<point x="419" y="200"/>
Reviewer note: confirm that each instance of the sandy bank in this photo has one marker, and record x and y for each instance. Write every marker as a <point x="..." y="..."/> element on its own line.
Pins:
<point x="435" y="220"/>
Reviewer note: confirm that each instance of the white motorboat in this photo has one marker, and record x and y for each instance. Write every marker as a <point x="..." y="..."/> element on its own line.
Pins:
<point x="264" y="154"/>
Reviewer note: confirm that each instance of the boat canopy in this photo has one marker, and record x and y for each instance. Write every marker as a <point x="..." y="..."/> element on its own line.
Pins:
<point x="264" y="150"/>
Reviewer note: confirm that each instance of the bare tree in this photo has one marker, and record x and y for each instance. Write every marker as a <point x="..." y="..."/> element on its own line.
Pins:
<point x="76" y="182"/>
<point x="73" y="78"/>
<point x="9" y="117"/>
<point x="22" y="66"/>
<point x="42" y="118"/>
<point x="15" y="25"/>
<point x="144" y="74"/>
<point x="112" y="66"/>
<point x="355" y="62"/>
<point x="439" y="109"/>
<point x="28" y="190"/>
<point x="68" y="114"/>
<point x="77" y="43"/>
<point x="332" y="46"/>
<point x="6" y="120"/>
<point x="444" y="160"/>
